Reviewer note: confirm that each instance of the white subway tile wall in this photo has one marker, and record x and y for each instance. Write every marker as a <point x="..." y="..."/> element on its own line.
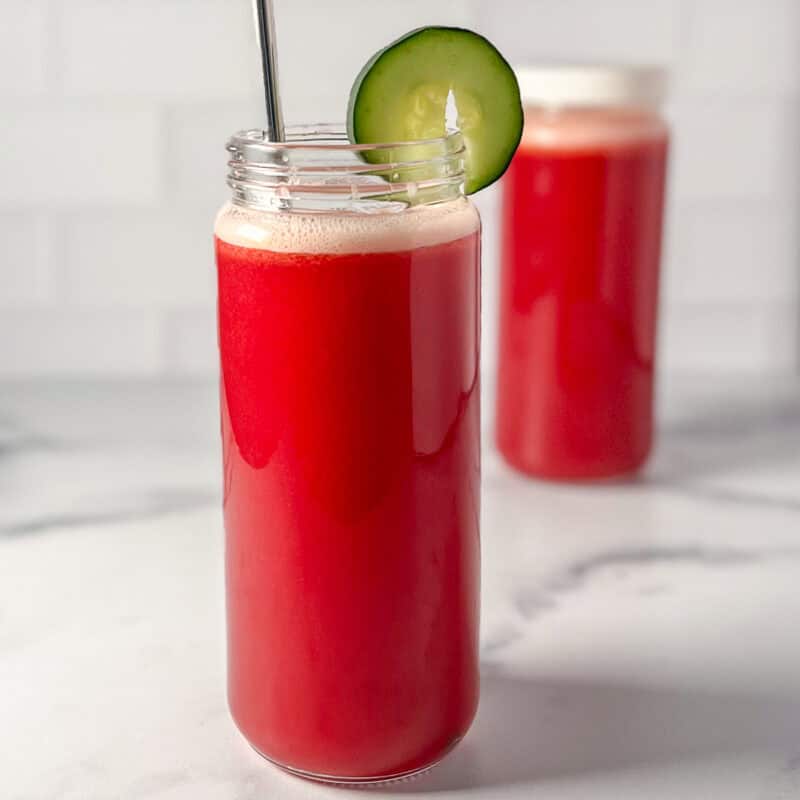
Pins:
<point x="60" y="156"/>
<point x="109" y="261"/>
<point x="746" y="47"/>
<point x="71" y="341"/>
<point x="728" y="148"/>
<point x="27" y="277"/>
<point x="629" y="30"/>
<point x="23" y="45"/>
<point x="179" y="50"/>
<point x="112" y="162"/>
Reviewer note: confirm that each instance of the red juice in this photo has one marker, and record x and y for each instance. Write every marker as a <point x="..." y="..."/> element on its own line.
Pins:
<point x="582" y="222"/>
<point x="350" y="426"/>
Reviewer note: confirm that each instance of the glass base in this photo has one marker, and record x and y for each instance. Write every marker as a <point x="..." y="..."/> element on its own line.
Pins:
<point x="378" y="780"/>
<point x="623" y="474"/>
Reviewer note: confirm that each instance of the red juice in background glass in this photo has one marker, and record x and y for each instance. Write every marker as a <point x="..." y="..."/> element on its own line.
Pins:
<point x="581" y="243"/>
<point x="349" y="347"/>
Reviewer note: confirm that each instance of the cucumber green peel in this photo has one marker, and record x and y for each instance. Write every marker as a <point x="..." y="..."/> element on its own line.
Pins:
<point x="401" y="95"/>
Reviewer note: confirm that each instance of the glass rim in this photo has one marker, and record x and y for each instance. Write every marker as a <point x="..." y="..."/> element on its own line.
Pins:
<point x="331" y="137"/>
<point x="318" y="167"/>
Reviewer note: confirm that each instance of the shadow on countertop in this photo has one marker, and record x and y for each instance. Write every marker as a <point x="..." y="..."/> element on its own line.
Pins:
<point x="529" y="731"/>
<point x="738" y="433"/>
<point x="727" y="428"/>
<point x="705" y="427"/>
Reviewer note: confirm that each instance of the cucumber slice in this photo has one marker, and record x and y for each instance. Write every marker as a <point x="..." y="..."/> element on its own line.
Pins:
<point x="401" y="95"/>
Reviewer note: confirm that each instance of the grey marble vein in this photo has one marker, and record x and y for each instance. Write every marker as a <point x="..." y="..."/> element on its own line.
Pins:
<point x="575" y="575"/>
<point x="585" y="568"/>
<point x="21" y="441"/>
<point x="721" y="494"/>
<point x="532" y="603"/>
<point x="667" y="667"/>
<point x="137" y="507"/>
<point x="793" y="764"/>
<point x="499" y="639"/>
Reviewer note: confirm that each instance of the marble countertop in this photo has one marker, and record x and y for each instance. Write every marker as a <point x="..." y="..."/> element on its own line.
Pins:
<point x="639" y="640"/>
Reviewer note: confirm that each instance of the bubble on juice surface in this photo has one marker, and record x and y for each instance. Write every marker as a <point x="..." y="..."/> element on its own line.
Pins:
<point x="422" y="226"/>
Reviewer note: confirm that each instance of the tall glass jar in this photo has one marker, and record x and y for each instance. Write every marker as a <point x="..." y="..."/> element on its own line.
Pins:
<point x="582" y="219"/>
<point x="348" y="302"/>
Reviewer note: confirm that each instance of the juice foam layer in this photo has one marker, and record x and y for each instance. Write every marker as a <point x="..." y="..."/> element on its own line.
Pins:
<point x="422" y="226"/>
<point x="578" y="129"/>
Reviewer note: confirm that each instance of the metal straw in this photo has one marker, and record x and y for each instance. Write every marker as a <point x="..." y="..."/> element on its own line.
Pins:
<point x="265" y="22"/>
